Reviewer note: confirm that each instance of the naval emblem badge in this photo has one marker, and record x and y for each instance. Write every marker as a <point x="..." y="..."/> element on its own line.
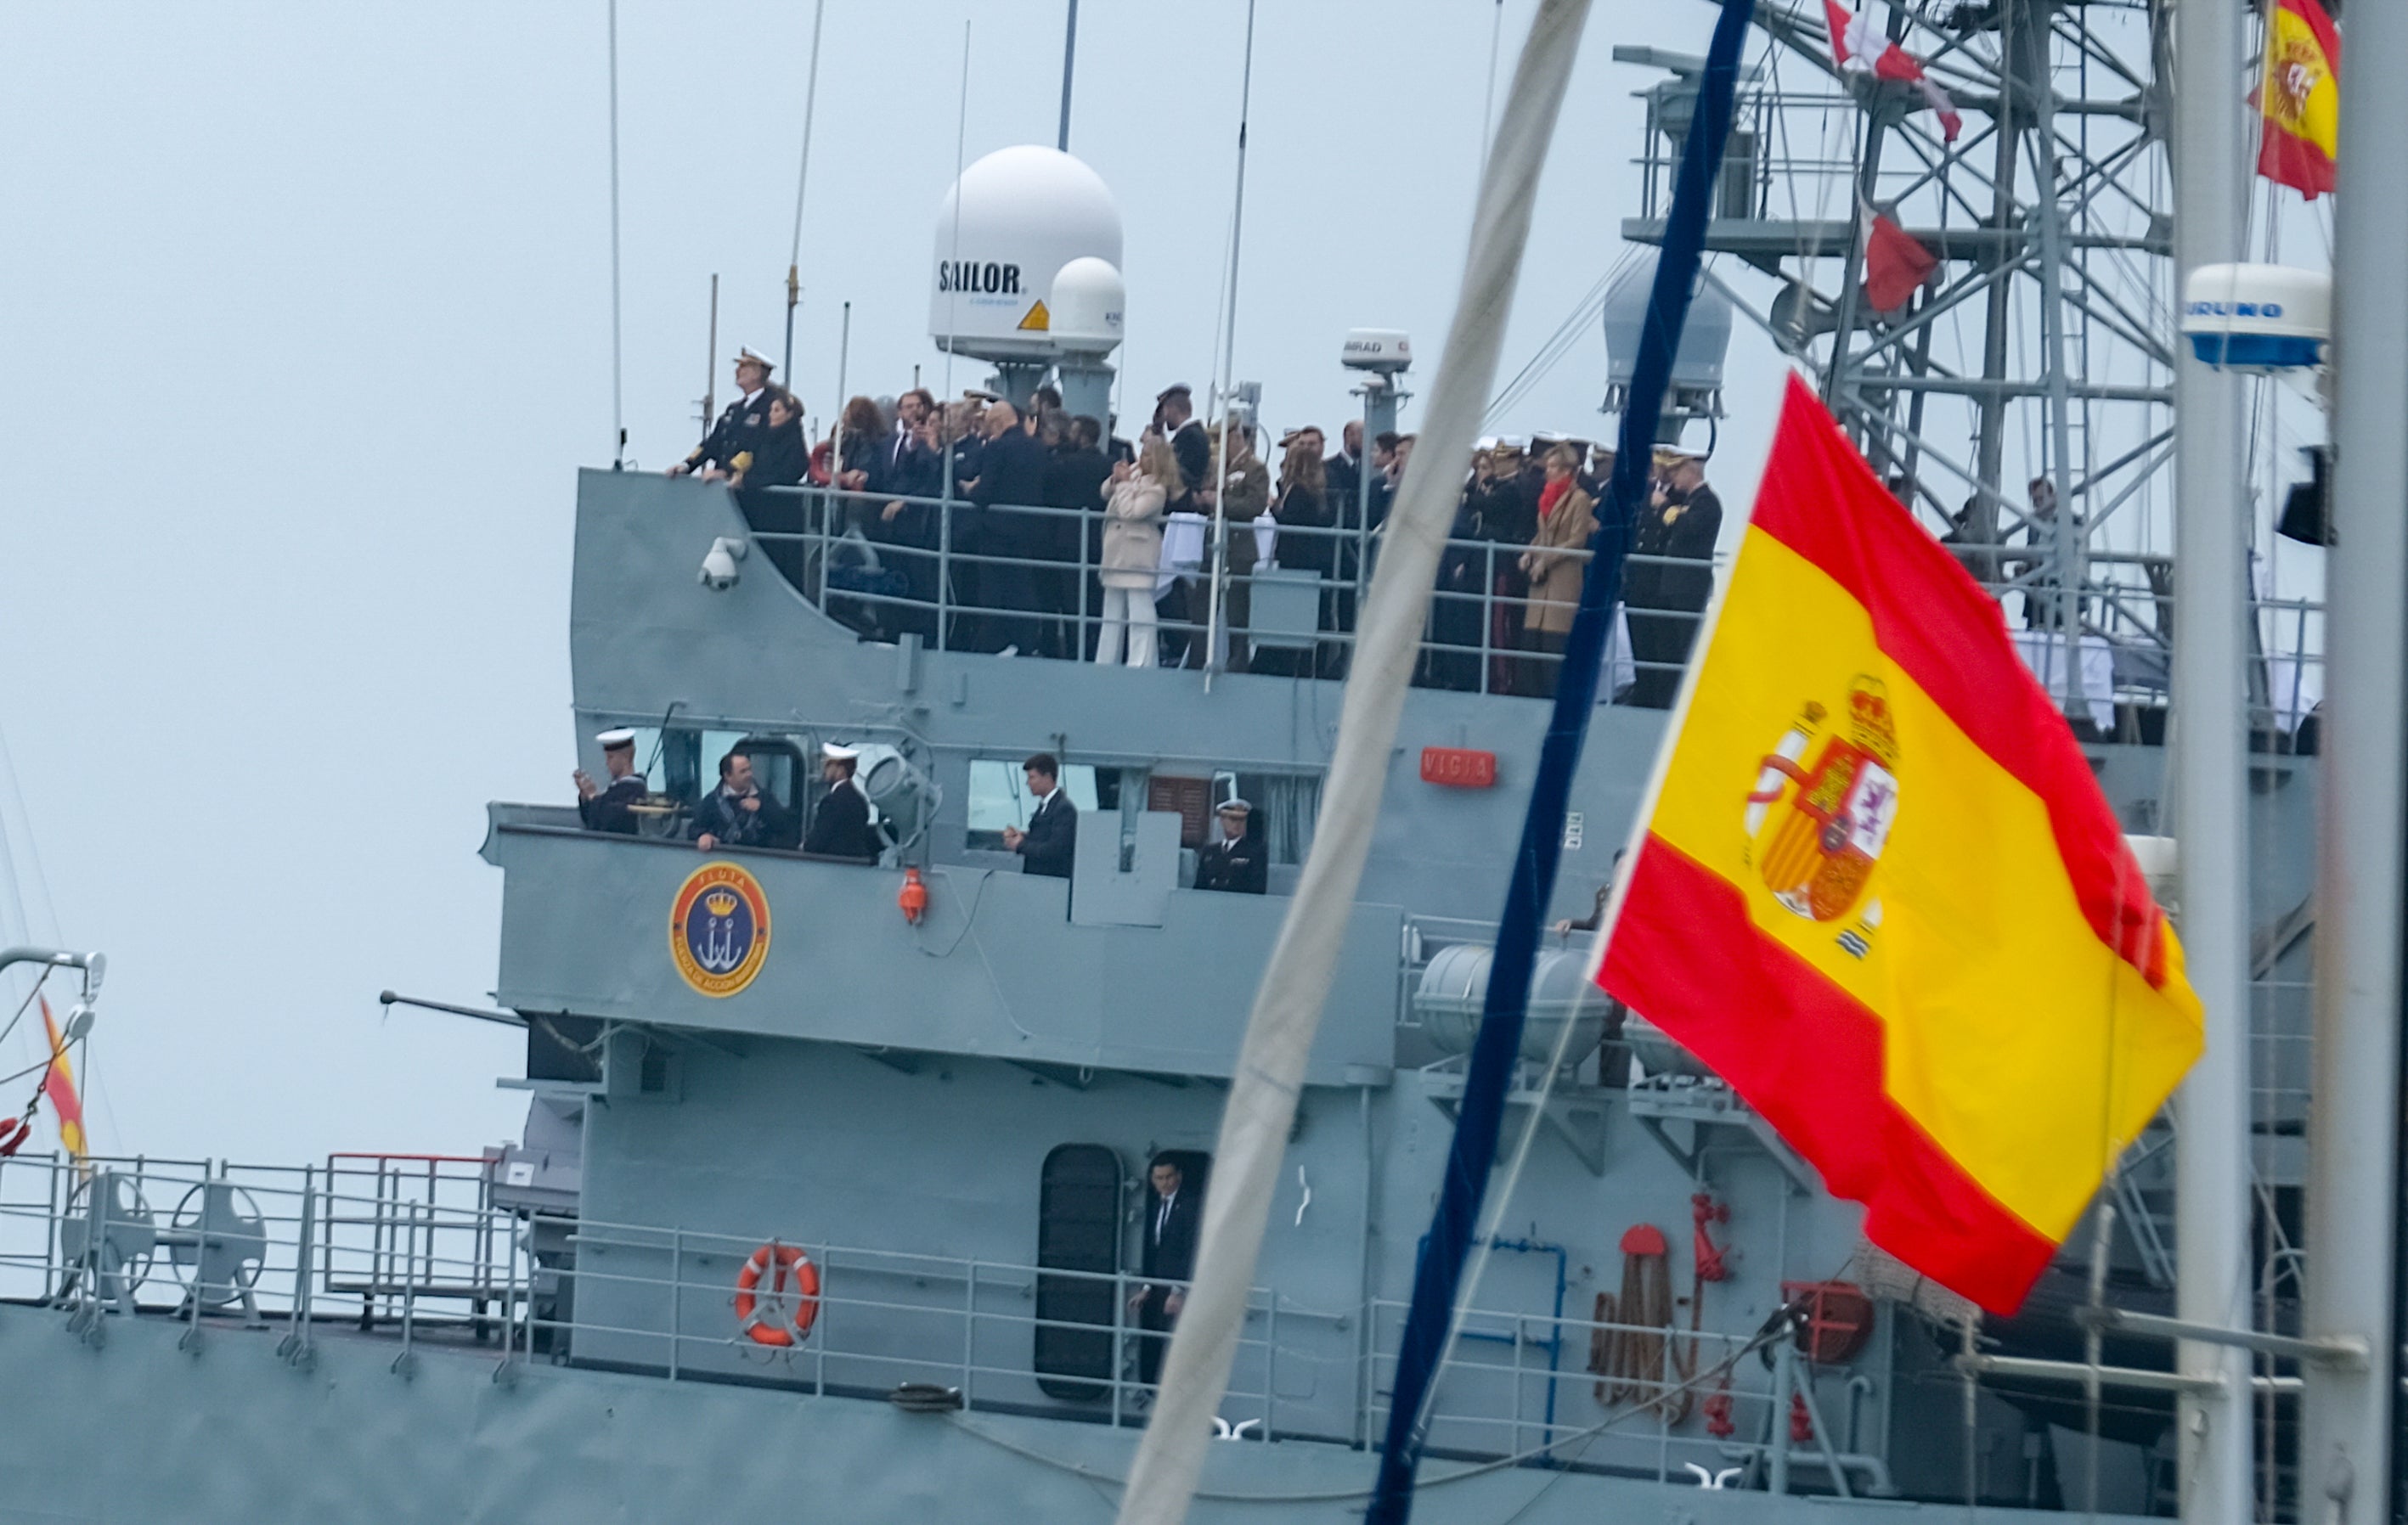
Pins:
<point x="719" y="928"/>
<point x="1816" y="829"/>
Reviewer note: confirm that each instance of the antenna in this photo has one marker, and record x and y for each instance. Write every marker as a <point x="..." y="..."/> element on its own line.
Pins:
<point x="1228" y="365"/>
<point x="953" y="299"/>
<point x="1069" y="55"/>
<point x="1488" y="105"/>
<point x="843" y="357"/>
<point x="617" y="393"/>
<point x="711" y="367"/>
<point x="802" y="178"/>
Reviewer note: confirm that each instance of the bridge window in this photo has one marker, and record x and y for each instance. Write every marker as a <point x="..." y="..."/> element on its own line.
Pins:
<point x="998" y="796"/>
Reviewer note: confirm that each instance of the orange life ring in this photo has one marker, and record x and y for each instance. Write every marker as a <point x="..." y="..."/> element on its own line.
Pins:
<point x="759" y="1311"/>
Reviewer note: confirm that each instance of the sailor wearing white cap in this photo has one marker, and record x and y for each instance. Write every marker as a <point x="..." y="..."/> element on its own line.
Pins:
<point x="841" y="827"/>
<point x="1236" y="862"/>
<point x="608" y="809"/>
<point x="739" y="435"/>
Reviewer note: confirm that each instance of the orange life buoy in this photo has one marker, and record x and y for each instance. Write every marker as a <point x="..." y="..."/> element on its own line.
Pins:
<point x="760" y="1311"/>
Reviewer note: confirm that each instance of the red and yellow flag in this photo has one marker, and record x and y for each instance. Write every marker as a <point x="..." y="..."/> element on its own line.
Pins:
<point x="1880" y="894"/>
<point x="2300" y="95"/>
<point x="58" y="1084"/>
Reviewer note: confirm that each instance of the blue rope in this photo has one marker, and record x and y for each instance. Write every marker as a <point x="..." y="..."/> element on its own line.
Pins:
<point x="1439" y="1275"/>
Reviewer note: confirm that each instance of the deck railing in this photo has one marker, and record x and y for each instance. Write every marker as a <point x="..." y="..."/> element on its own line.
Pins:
<point x="411" y="1252"/>
<point x="971" y="578"/>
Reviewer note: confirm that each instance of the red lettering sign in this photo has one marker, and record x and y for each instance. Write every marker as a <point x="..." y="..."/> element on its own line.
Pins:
<point x="1458" y="767"/>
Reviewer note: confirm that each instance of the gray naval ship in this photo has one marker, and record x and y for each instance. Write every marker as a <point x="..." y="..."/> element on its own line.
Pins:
<point x="834" y="1192"/>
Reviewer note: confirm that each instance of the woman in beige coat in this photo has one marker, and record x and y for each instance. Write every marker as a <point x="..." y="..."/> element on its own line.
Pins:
<point x="1132" y="556"/>
<point x="1567" y="520"/>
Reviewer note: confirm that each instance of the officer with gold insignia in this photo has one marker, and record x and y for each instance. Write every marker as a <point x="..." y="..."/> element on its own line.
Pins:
<point x="1235" y="863"/>
<point x="728" y="450"/>
<point x="611" y="807"/>
<point x="1666" y="582"/>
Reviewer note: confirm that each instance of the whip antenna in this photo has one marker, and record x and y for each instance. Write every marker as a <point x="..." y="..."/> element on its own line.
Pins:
<point x="802" y="178"/>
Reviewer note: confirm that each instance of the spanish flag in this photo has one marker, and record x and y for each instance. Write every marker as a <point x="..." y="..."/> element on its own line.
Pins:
<point x="58" y="1084"/>
<point x="1879" y="892"/>
<point x="2300" y="95"/>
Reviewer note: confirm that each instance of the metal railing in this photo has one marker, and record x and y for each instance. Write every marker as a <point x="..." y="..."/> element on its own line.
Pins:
<point x="408" y="1250"/>
<point x="957" y="584"/>
<point x="968" y="579"/>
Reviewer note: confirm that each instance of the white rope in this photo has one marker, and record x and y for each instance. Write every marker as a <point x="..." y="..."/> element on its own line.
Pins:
<point x="1287" y="1009"/>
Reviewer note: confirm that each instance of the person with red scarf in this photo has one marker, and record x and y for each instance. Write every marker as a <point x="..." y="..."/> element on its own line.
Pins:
<point x="1556" y="563"/>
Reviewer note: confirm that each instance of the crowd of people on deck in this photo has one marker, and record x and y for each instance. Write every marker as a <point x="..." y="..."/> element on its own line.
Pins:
<point x="1054" y="537"/>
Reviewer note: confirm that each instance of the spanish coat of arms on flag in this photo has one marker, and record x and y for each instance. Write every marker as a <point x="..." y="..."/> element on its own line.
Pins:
<point x="1880" y="894"/>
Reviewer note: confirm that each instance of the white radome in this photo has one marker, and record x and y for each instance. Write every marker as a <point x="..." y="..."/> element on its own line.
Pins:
<point x="1003" y="232"/>
<point x="1089" y="304"/>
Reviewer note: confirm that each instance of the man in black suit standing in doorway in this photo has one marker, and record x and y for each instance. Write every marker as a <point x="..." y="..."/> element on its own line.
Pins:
<point x="1170" y="1256"/>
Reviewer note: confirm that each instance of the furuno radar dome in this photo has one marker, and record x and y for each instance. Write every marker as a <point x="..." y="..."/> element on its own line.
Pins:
<point x="2258" y="318"/>
<point x="1005" y="230"/>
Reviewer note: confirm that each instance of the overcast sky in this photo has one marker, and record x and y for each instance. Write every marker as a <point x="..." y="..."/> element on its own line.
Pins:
<point x="306" y="328"/>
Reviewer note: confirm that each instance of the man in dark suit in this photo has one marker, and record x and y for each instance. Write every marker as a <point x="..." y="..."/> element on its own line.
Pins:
<point x="732" y="441"/>
<point x="607" y="807"/>
<point x="1011" y="477"/>
<point x="1235" y="863"/>
<point x="1168" y="1256"/>
<point x="1174" y="415"/>
<point x="1075" y="473"/>
<point x="841" y="826"/>
<point x="1051" y="838"/>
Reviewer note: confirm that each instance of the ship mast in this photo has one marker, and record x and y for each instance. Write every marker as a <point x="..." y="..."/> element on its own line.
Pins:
<point x="2210" y="767"/>
<point x="2347" y="1437"/>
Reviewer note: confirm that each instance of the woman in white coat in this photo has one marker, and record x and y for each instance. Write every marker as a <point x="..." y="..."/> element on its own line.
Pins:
<point x="1132" y="557"/>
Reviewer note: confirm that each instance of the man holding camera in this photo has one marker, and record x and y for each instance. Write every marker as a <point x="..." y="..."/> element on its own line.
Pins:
<point x="609" y="809"/>
<point x="739" y="813"/>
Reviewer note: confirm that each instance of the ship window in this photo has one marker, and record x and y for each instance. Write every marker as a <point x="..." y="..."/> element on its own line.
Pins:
<point x="1077" y="1230"/>
<point x="999" y="795"/>
<point x="668" y="760"/>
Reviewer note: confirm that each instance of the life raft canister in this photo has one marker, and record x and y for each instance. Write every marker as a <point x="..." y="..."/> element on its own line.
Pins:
<point x="761" y="1312"/>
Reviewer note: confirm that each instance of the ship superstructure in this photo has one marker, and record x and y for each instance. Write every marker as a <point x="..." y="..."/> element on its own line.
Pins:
<point x="832" y="1194"/>
<point x="950" y="1117"/>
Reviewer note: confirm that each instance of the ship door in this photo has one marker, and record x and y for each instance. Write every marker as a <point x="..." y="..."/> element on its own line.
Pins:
<point x="1077" y="1230"/>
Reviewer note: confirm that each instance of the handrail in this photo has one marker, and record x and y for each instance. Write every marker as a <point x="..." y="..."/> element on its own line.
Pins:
<point x="1478" y="638"/>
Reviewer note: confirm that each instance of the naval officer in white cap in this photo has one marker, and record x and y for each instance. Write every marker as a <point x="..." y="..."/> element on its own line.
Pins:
<point x="607" y="809"/>
<point x="841" y="827"/>
<point x="736" y="438"/>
